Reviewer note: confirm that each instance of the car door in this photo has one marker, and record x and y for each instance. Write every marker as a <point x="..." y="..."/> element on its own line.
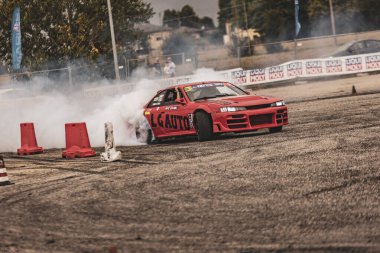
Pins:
<point x="154" y="113"/>
<point x="177" y="116"/>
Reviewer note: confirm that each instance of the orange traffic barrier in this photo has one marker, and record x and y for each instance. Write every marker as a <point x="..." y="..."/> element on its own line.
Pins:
<point x="4" y="179"/>
<point x="77" y="141"/>
<point x="28" y="140"/>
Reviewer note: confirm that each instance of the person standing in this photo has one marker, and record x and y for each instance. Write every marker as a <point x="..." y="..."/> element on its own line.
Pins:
<point x="169" y="67"/>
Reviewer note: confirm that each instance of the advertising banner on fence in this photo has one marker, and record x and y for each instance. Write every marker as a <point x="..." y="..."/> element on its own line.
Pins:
<point x="309" y="68"/>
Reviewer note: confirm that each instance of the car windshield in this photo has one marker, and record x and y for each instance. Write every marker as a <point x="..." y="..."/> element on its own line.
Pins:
<point x="212" y="90"/>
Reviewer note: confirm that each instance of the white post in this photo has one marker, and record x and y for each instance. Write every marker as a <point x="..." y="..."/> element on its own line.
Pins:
<point x="110" y="153"/>
<point x="333" y="21"/>
<point x="113" y="41"/>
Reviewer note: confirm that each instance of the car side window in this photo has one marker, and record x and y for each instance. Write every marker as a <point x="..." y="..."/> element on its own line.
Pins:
<point x="373" y="44"/>
<point x="157" y="100"/>
<point x="171" y="96"/>
<point x="356" y="47"/>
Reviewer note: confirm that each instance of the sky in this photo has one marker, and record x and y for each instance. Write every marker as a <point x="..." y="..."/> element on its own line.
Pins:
<point x="201" y="7"/>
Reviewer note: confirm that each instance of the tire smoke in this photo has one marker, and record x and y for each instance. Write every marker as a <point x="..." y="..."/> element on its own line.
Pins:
<point x="49" y="110"/>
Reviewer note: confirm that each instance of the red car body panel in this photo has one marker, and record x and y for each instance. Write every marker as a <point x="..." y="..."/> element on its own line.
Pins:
<point x="177" y="119"/>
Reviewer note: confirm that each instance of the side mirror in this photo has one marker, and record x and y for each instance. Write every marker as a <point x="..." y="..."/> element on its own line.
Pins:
<point x="180" y="101"/>
<point x="248" y="92"/>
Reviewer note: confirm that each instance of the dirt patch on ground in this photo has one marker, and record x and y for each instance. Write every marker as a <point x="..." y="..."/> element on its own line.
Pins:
<point x="315" y="187"/>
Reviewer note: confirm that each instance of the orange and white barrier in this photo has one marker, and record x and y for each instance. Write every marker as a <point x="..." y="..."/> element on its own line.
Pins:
<point x="4" y="179"/>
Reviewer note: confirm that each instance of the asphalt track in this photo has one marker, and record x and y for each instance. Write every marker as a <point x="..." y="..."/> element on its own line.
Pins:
<point x="315" y="187"/>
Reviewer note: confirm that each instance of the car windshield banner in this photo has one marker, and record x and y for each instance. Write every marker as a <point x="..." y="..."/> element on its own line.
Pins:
<point x="16" y="40"/>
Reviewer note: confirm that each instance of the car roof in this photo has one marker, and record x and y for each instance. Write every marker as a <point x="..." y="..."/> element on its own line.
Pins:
<point x="194" y="83"/>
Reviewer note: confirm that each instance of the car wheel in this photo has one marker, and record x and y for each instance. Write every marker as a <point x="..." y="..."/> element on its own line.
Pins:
<point x="149" y="137"/>
<point x="203" y="124"/>
<point x="275" y="129"/>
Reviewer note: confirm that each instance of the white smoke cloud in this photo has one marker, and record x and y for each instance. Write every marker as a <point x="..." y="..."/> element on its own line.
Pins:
<point x="122" y="104"/>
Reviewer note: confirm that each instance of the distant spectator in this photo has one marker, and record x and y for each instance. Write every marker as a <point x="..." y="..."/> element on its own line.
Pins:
<point x="169" y="68"/>
<point x="157" y="68"/>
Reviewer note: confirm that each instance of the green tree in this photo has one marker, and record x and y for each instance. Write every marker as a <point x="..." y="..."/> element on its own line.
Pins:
<point x="273" y="19"/>
<point x="61" y="31"/>
<point x="207" y="22"/>
<point x="350" y="16"/>
<point x="368" y="13"/>
<point x="186" y="17"/>
<point x="224" y="14"/>
<point x="171" y="18"/>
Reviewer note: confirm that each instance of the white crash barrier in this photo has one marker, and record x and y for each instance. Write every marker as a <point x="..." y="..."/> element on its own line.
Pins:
<point x="110" y="154"/>
<point x="309" y="68"/>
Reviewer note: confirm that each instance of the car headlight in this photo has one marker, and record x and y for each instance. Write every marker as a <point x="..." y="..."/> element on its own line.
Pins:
<point x="279" y="103"/>
<point x="232" y="109"/>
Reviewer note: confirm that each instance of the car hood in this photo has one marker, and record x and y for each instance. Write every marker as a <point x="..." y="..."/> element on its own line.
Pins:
<point x="239" y="100"/>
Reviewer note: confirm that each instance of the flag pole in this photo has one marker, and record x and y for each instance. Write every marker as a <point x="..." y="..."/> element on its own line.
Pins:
<point x="333" y="21"/>
<point x="116" y="64"/>
<point x="297" y="26"/>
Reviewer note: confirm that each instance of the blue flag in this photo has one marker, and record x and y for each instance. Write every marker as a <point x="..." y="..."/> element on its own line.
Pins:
<point x="296" y="13"/>
<point x="16" y="39"/>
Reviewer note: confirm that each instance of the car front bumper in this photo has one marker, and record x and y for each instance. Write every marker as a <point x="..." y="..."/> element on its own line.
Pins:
<point x="250" y="120"/>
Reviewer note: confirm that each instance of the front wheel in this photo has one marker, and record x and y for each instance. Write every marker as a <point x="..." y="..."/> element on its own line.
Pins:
<point x="275" y="129"/>
<point x="203" y="124"/>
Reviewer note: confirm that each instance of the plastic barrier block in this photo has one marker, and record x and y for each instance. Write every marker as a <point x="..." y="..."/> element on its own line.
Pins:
<point x="29" y="144"/>
<point x="77" y="141"/>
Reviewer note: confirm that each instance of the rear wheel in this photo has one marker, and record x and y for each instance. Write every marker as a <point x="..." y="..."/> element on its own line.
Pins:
<point x="275" y="129"/>
<point x="203" y="124"/>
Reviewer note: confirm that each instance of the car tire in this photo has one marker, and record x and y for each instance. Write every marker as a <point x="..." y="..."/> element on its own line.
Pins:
<point x="275" y="129"/>
<point x="203" y="123"/>
<point x="149" y="137"/>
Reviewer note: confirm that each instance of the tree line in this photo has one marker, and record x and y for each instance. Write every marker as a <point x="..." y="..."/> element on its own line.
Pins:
<point x="55" y="33"/>
<point x="274" y="19"/>
<point x="186" y="17"/>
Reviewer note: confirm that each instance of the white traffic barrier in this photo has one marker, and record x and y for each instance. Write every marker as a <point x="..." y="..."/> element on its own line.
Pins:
<point x="110" y="154"/>
<point x="308" y="68"/>
<point x="4" y="179"/>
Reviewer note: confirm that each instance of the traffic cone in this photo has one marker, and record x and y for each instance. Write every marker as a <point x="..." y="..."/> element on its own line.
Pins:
<point x="110" y="154"/>
<point x="28" y="140"/>
<point x="77" y="141"/>
<point x="4" y="179"/>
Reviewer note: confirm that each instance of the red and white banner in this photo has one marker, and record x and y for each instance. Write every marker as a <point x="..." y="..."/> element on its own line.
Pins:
<point x="310" y="68"/>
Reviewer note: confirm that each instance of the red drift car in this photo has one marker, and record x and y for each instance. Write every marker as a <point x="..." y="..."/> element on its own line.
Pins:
<point x="209" y="108"/>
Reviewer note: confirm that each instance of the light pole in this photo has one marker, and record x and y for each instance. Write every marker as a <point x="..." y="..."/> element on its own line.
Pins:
<point x="113" y="41"/>
<point x="246" y="27"/>
<point x="333" y="21"/>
